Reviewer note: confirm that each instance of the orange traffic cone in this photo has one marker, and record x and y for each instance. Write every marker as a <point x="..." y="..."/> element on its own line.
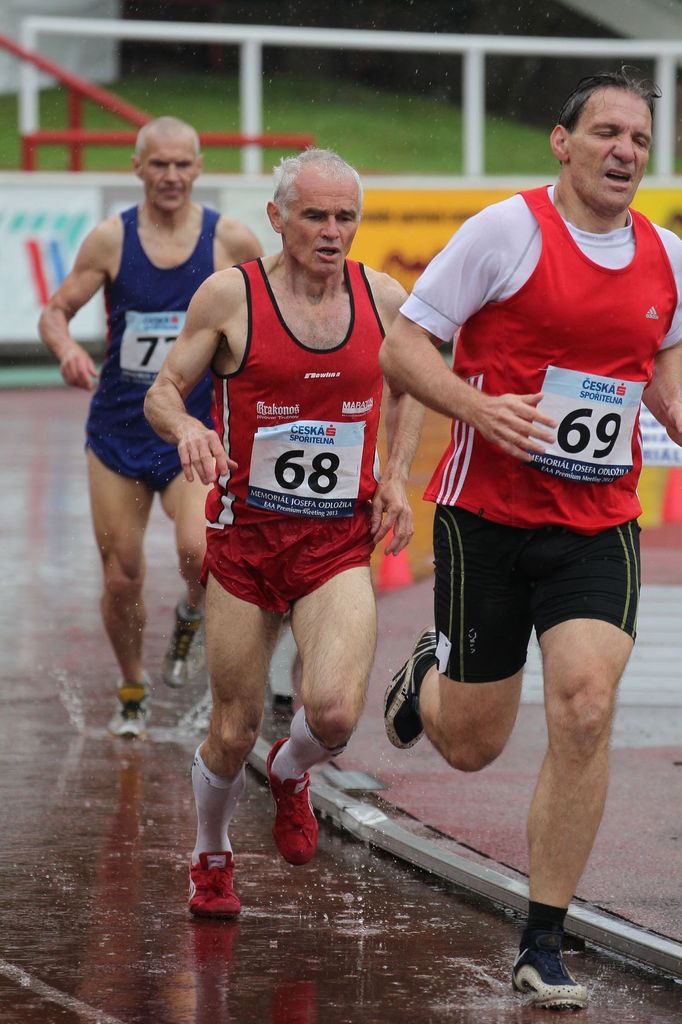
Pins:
<point x="394" y="571"/>
<point x="672" y="500"/>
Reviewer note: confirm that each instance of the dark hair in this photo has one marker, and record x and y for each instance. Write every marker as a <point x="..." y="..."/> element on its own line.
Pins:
<point x="623" y="79"/>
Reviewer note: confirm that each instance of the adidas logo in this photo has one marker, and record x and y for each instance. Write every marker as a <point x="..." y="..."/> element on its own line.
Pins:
<point x="652" y="314"/>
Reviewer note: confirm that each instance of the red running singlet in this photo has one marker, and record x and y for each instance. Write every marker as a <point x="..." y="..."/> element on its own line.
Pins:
<point x="300" y="422"/>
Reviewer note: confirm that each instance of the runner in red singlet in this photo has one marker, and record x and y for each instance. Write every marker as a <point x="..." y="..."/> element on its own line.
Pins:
<point x="297" y="503"/>
<point x="568" y="309"/>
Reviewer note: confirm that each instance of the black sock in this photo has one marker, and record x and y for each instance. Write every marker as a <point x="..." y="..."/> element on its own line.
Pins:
<point x="543" y="918"/>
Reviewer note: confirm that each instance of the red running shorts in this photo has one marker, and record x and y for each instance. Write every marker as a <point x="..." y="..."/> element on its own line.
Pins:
<point x="274" y="563"/>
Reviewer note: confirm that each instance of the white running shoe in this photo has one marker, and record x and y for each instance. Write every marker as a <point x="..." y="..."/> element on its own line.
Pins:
<point x="132" y="710"/>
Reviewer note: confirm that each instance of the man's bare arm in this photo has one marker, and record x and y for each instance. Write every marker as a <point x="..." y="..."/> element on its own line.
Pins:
<point x="403" y="419"/>
<point x="236" y="243"/>
<point x="96" y="262"/>
<point x="411" y="362"/>
<point x="663" y="396"/>
<point x="189" y="359"/>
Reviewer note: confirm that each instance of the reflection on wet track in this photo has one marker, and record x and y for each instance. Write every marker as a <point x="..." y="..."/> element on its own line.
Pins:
<point x="95" y="893"/>
<point x="96" y="832"/>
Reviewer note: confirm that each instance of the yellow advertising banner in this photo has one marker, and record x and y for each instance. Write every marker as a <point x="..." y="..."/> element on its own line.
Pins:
<point x="402" y="230"/>
<point x="662" y="206"/>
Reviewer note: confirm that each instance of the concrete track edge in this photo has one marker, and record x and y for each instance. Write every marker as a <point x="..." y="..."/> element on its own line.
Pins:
<point x="368" y="823"/>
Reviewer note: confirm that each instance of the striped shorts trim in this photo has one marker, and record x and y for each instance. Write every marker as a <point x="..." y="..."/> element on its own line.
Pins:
<point x="494" y="584"/>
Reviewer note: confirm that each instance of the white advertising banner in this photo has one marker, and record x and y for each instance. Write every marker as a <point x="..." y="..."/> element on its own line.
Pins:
<point x="657" y="448"/>
<point x="40" y="232"/>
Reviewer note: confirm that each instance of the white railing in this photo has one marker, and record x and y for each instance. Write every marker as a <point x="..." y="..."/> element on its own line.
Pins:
<point x="473" y="49"/>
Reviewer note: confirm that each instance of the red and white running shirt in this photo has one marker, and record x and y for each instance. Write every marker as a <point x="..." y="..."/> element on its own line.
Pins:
<point x="584" y="333"/>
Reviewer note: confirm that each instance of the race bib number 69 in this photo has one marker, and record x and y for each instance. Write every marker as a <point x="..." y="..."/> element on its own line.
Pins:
<point x="596" y="419"/>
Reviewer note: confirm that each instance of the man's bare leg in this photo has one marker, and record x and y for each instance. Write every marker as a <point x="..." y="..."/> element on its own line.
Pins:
<point x="583" y="662"/>
<point x="120" y="509"/>
<point x="240" y="640"/>
<point x="335" y="630"/>
<point x="185" y="655"/>
<point x="184" y="503"/>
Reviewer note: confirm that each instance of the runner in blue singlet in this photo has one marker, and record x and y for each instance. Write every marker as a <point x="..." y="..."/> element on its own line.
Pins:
<point x="150" y="260"/>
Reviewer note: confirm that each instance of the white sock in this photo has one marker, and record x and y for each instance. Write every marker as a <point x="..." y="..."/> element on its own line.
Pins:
<point x="301" y="751"/>
<point x="216" y="797"/>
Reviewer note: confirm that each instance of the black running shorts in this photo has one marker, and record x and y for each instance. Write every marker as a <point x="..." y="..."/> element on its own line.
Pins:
<point x="495" y="583"/>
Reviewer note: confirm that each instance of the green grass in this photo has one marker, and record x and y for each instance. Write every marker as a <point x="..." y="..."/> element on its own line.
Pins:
<point x="376" y="131"/>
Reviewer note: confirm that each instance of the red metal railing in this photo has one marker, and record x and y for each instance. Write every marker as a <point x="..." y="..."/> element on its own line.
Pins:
<point x="76" y="137"/>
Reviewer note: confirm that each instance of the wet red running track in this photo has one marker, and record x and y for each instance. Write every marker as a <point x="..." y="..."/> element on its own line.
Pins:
<point x="96" y="832"/>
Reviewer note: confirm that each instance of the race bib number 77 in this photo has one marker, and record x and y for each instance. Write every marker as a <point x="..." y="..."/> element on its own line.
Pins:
<point x="596" y="418"/>
<point x="146" y="341"/>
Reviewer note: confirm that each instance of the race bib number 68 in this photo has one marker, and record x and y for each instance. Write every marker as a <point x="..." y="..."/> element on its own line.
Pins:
<point x="308" y="468"/>
<point x="596" y="418"/>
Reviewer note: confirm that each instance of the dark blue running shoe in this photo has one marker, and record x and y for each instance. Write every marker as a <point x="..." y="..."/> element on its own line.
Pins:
<point x="401" y="712"/>
<point x="540" y="969"/>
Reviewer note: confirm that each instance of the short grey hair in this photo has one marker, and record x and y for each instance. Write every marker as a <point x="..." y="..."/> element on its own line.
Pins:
<point x="288" y="169"/>
<point x="165" y="126"/>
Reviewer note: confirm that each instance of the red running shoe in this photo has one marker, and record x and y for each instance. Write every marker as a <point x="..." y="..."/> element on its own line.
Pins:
<point x="295" y="828"/>
<point x="210" y="886"/>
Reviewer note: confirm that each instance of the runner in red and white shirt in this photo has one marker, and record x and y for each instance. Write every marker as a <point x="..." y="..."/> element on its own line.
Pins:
<point x="566" y="311"/>
<point x="297" y="504"/>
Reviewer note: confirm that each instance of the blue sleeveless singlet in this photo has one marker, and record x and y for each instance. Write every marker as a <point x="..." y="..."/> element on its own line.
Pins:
<point x="146" y="308"/>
